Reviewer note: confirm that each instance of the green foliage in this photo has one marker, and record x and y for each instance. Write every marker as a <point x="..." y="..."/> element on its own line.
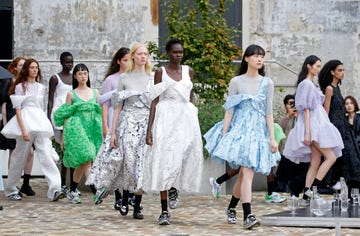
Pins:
<point x="209" y="112"/>
<point x="208" y="43"/>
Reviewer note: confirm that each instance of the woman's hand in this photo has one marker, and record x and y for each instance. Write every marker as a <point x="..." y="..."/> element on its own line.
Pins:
<point x="149" y="139"/>
<point x="273" y="146"/>
<point x="113" y="140"/>
<point x="26" y="136"/>
<point x="307" y="139"/>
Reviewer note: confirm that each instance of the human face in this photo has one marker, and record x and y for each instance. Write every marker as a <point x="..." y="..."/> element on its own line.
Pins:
<point x="82" y="76"/>
<point x="67" y="63"/>
<point x="19" y="65"/>
<point x="314" y="69"/>
<point x="140" y="56"/>
<point x="176" y="53"/>
<point x="255" y="61"/>
<point x="349" y="106"/>
<point x="123" y="62"/>
<point x="33" y="70"/>
<point x="290" y="106"/>
<point x="338" y="73"/>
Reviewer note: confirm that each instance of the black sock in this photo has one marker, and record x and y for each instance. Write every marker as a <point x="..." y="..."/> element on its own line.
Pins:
<point x="247" y="209"/>
<point x="125" y="197"/>
<point x="233" y="202"/>
<point x="117" y="195"/>
<point x="73" y="186"/>
<point x="222" y="178"/>
<point x="93" y="189"/>
<point x="270" y="187"/>
<point x="26" y="179"/>
<point x="316" y="182"/>
<point x="163" y="205"/>
<point x="305" y="197"/>
<point x="137" y="203"/>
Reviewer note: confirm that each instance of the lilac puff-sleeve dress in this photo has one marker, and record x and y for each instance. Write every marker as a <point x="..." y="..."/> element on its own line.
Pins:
<point x="322" y="131"/>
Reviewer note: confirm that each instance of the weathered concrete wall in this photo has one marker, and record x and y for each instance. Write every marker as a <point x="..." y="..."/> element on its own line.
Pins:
<point x="89" y="29"/>
<point x="292" y="30"/>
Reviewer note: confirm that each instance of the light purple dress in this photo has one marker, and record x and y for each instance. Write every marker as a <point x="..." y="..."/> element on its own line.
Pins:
<point x="322" y="130"/>
<point x="109" y="86"/>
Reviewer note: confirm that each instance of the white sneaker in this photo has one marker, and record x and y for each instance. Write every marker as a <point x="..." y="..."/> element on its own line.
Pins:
<point x="215" y="187"/>
<point x="337" y="186"/>
<point x="274" y="198"/>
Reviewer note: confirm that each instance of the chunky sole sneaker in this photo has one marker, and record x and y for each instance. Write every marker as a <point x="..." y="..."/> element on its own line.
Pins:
<point x="117" y="204"/>
<point x="215" y="187"/>
<point x="100" y="195"/>
<point x="231" y="215"/>
<point x="58" y="195"/>
<point x="124" y="210"/>
<point x="164" y="218"/>
<point x="173" y="198"/>
<point x="15" y="197"/>
<point x="274" y="198"/>
<point x="138" y="215"/>
<point x="73" y="197"/>
<point x="251" y="222"/>
<point x="337" y="186"/>
<point x="27" y="190"/>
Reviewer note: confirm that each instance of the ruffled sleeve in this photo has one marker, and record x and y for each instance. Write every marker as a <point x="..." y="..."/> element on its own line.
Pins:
<point x="17" y="100"/>
<point x="306" y="96"/>
<point x="62" y="113"/>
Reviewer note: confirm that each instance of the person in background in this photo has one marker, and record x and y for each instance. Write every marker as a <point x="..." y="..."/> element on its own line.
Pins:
<point x="248" y="107"/>
<point x="313" y="134"/>
<point x="330" y="78"/>
<point x="81" y="118"/>
<point x="31" y="127"/>
<point x="290" y="177"/>
<point x="117" y="67"/>
<point x="59" y="85"/>
<point x="8" y="112"/>
<point x="353" y="163"/>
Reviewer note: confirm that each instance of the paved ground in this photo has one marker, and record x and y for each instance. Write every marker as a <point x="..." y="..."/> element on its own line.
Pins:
<point x="197" y="215"/>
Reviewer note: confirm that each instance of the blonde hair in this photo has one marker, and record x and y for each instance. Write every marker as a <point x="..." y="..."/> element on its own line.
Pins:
<point x="131" y="65"/>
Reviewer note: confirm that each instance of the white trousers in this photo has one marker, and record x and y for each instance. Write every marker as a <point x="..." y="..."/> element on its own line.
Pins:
<point x="43" y="153"/>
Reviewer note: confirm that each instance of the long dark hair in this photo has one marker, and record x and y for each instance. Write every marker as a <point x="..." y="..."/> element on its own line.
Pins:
<point x="80" y="67"/>
<point x="310" y="60"/>
<point x="325" y="76"/>
<point x="251" y="50"/>
<point x="114" y="66"/>
<point x="24" y="74"/>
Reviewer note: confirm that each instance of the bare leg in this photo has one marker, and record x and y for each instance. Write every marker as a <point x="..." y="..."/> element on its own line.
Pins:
<point x="330" y="159"/>
<point x="246" y="184"/>
<point x="315" y="161"/>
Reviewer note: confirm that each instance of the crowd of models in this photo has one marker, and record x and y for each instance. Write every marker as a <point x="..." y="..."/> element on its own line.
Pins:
<point x="141" y="134"/>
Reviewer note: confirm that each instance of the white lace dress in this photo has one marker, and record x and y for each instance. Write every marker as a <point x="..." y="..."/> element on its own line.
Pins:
<point x="175" y="159"/>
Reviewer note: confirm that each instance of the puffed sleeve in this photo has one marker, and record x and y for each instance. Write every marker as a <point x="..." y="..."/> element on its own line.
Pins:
<point x="306" y="96"/>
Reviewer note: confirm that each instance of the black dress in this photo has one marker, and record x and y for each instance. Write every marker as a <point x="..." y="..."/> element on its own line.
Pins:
<point x="348" y="165"/>
<point x="6" y="143"/>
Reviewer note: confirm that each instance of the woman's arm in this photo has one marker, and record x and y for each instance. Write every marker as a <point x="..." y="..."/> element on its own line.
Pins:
<point x="24" y="132"/>
<point x="3" y="113"/>
<point x="227" y="119"/>
<point x="328" y="96"/>
<point x="270" y="125"/>
<point x="52" y="87"/>
<point x="149" y="137"/>
<point x="192" y="74"/>
<point x="104" y="115"/>
<point x="307" y="138"/>
<point x="113" y="141"/>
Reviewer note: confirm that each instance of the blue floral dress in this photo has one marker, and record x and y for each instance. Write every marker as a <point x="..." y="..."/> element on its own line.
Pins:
<point x="247" y="142"/>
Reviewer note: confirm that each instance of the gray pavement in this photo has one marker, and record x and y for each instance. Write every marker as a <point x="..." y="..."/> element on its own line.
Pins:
<point x="196" y="215"/>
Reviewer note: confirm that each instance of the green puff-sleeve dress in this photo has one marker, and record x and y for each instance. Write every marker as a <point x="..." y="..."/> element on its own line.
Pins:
<point x="82" y="130"/>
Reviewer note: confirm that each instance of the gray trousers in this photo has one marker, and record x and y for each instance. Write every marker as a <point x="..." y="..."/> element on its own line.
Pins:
<point x="48" y="166"/>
